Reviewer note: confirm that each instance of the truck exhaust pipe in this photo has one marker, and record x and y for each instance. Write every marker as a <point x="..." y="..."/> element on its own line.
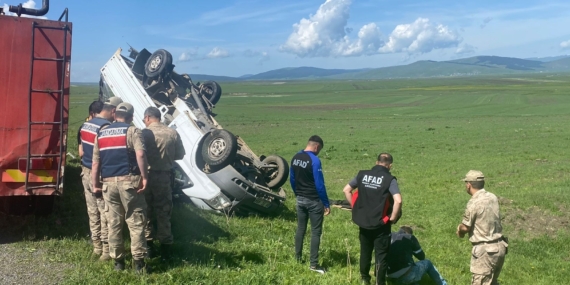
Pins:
<point x="19" y="10"/>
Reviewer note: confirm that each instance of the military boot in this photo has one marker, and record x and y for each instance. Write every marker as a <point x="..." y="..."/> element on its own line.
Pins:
<point x="119" y="264"/>
<point x="97" y="247"/>
<point x="150" y="250"/>
<point x="141" y="267"/>
<point x="105" y="256"/>
<point x="165" y="251"/>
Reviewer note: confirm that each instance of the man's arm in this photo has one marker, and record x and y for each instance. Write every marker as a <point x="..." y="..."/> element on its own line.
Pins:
<point x="143" y="166"/>
<point x="80" y="149"/>
<point x="95" y="168"/>
<point x="466" y="223"/>
<point x="396" y="210"/>
<point x="462" y="230"/>
<point x="348" y="193"/>
<point x="137" y="143"/>
<point x="320" y="182"/>
<point x="417" y="249"/>
<point x="179" y="148"/>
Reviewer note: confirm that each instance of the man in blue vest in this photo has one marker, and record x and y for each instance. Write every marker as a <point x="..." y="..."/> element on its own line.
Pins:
<point x="376" y="207"/>
<point x="308" y="183"/>
<point x="103" y="115"/>
<point x="119" y="161"/>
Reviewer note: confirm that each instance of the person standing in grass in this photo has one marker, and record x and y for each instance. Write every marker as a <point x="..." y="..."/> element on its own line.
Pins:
<point x="100" y="115"/>
<point x="482" y="222"/>
<point x="163" y="147"/>
<point x="308" y="184"/>
<point x="119" y="161"/>
<point x="377" y="206"/>
<point x="401" y="266"/>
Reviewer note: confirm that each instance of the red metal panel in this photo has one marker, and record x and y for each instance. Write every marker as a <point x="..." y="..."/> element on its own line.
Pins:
<point x="15" y="71"/>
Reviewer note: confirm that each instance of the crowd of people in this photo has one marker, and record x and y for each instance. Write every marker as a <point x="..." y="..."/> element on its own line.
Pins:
<point x="126" y="175"/>
<point x="126" y="178"/>
<point x="376" y="203"/>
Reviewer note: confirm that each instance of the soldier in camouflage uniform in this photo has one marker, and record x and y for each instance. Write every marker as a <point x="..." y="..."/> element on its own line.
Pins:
<point x="483" y="224"/>
<point x="119" y="160"/>
<point x="163" y="147"/>
<point x="101" y="114"/>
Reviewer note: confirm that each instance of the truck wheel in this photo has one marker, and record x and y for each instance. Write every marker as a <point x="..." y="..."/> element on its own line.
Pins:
<point x="212" y="91"/>
<point x="277" y="176"/>
<point x="219" y="148"/>
<point x="158" y="63"/>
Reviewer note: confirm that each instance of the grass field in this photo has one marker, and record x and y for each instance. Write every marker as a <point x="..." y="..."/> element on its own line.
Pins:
<point x="515" y="130"/>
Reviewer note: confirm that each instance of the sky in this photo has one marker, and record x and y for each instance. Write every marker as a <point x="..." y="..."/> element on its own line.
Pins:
<point x="239" y="37"/>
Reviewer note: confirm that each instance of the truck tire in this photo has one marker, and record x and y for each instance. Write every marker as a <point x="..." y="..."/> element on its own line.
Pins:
<point x="276" y="177"/>
<point x="158" y="63"/>
<point x="219" y="149"/>
<point x="212" y="91"/>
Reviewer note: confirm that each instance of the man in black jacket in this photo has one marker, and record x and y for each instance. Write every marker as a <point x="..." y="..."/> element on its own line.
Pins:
<point x="376" y="207"/>
<point x="401" y="266"/>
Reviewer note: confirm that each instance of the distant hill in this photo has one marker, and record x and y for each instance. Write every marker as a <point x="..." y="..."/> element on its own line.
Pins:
<point x="478" y="65"/>
<point x="548" y="58"/>
<point x="300" y="73"/>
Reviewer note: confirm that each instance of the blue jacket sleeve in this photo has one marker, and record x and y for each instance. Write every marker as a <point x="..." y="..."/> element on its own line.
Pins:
<point x="320" y="181"/>
<point x="292" y="179"/>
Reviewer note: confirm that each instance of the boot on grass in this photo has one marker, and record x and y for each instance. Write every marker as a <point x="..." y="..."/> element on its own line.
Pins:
<point x="97" y="247"/>
<point x="141" y="267"/>
<point x="119" y="264"/>
<point x="105" y="255"/>
<point x="150" y="249"/>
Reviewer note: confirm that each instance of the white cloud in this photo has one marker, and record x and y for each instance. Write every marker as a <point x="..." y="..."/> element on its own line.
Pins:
<point x="421" y="36"/>
<point x="325" y="34"/>
<point x="31" y="4"/>
<point x="465" y="49"/>
<point x="218" y="53"/>
<point x="565" y="45"/>
<point x="188" y="56"/>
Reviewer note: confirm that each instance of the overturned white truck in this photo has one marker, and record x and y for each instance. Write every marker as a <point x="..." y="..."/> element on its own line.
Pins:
<point x="219" y="172"/>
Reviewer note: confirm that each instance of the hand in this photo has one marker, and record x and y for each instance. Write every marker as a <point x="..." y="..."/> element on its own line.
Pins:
<point x="97" y="190"/>
<point x="143" y="186"/>
<point x="459" y="233"/>
<point x="327" y="211"/>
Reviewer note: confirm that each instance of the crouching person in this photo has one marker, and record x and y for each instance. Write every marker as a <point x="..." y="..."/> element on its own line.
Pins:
<point x="119" y="160"/>
<point x="401" y="266"/>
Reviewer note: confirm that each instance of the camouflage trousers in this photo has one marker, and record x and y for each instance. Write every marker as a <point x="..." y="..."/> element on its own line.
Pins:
<point x="124" y="205"/>
<point x="486" y="262"/>
<point x="95" y="210"/>
<point x="159" y="200"/>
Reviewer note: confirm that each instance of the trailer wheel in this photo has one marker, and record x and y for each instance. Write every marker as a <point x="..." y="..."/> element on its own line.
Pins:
<point x="212" y="91"/>
<point x="277" y="176"/>
<point x="158" y="63"/>
<point x="219" y="149"/>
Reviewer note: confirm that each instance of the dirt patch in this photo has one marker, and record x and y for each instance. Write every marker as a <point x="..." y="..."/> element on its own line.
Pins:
<point x="534" y="222"/>
<point x="29" y="266"/>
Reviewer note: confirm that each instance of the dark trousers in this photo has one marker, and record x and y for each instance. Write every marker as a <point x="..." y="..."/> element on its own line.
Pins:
<point x="379" y="241"/>
<point x="308" y="209"/>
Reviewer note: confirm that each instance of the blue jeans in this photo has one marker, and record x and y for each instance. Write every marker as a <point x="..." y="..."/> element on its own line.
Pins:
<point x="309" y="209"/>
<point x="418" y="270"/>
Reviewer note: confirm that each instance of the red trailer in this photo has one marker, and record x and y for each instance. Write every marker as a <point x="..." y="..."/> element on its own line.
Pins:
<point x="35" y="57"/>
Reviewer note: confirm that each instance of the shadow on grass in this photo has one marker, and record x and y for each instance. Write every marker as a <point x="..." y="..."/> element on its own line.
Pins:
<point x="67" y="220"/>
<point x="339" y="258"/>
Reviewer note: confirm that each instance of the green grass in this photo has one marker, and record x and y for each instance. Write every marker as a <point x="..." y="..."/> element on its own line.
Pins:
<point x="515" y="130"/>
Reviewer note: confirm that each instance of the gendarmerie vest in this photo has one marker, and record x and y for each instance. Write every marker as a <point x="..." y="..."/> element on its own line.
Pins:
<point x="373" y="206"/>
<point x="88" y="133"/>
<point x="116" y="158"/>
